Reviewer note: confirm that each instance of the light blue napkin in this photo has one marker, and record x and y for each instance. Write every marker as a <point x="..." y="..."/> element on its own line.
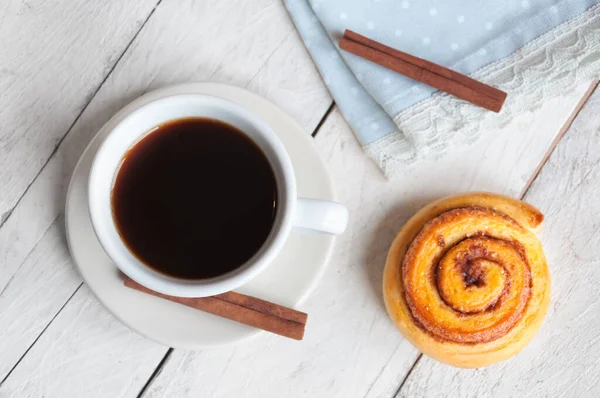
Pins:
<point x="497" y="41"/>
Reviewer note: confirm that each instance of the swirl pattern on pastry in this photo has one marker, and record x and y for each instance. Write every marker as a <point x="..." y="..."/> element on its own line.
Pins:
<point x="466" y="279"/>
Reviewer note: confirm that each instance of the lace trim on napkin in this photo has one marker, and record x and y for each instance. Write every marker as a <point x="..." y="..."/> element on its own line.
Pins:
<point x="549" y="66"/>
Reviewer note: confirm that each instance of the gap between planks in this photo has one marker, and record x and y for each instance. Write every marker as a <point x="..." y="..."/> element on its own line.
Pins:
<point x="323" y="119"/>
<point x="414" y="365"/>
<point x="156" y="371"/>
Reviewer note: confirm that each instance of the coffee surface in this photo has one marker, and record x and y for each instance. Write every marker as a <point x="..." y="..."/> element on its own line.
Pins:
<point x="194" y="199"/>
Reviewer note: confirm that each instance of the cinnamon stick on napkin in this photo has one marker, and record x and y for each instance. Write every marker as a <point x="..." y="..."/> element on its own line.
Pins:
<point x="434" y="75"/>
<point x="244" y="309"/>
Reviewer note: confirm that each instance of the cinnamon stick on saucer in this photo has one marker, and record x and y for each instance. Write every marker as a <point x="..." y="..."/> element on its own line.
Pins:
<point x="424" y="71"/>
<point x="244" y="309"/>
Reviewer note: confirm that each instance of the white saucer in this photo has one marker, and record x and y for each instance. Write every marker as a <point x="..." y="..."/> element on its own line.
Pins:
<point x="287" y="281"/>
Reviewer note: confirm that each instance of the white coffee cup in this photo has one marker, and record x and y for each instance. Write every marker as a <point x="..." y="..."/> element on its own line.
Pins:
<point x="310" y="215"/>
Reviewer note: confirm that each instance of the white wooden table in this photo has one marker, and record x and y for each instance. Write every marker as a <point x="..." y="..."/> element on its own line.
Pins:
<point x="67" y="66"/>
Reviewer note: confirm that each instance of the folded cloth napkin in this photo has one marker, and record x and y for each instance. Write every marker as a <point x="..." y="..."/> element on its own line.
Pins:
<point x="532" y="49"/>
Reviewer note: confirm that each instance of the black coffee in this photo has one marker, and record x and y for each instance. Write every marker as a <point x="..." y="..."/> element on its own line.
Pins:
<point x="194" y="199"/>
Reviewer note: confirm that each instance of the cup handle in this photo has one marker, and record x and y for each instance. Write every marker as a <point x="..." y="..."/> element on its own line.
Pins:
<point x="320" y="216"/>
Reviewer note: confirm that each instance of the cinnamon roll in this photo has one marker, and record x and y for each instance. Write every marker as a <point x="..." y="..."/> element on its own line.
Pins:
<point x="466" y="279"/>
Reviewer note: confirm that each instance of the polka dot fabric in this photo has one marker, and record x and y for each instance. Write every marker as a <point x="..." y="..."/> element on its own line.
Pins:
<point x="465" y="36"/>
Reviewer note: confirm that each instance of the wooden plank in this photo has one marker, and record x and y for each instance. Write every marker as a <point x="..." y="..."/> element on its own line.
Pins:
<point x="227" y="41"/>
<point x="54" y="56"/>
<point x="44" y="373"/>
<point x="566" y="126"/>
<point x="48" y="76"/>
<point x="59" y="365"/>
<point x="351" y="348"/>
<point x="563" y="358"/>
<point x="37" y="300"/>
